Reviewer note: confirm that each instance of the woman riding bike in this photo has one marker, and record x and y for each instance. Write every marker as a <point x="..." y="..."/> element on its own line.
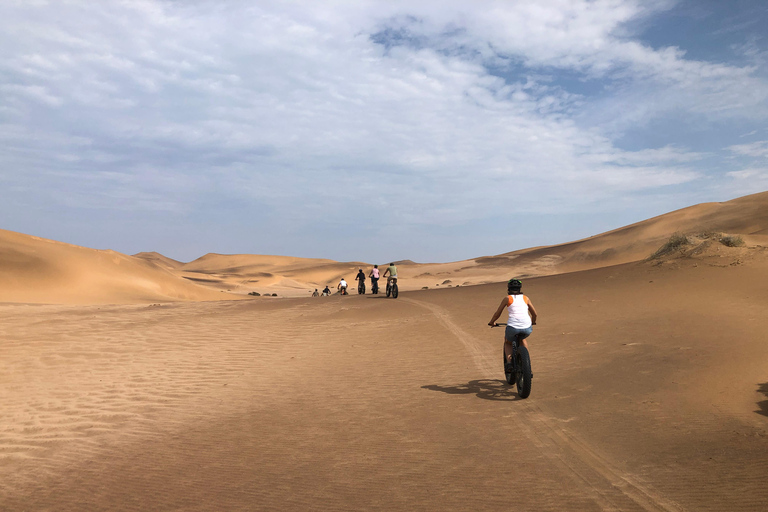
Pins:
<point x="374" y="275"/>
<point x="522" y="316"/>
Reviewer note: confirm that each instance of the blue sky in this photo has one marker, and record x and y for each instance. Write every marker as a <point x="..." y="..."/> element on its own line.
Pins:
<point x="373" y="131"/>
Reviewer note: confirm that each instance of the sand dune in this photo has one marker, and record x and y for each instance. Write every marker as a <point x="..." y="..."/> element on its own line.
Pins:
<point x="296" y="276"/>
<point x="650" y="387"/>
<point x="37" y="270"/>
<point x="52" y="272"/>
<point x="746" y="216"/>
<point x="244" y="273"/>
<point x="159" y="260"/>
<point x="649" y="393"/>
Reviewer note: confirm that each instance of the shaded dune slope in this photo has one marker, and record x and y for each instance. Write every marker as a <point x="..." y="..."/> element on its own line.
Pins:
<point x="37" y="270"/>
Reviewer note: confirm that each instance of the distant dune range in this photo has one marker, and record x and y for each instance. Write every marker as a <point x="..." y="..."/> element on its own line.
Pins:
<point x="36" y="270"/>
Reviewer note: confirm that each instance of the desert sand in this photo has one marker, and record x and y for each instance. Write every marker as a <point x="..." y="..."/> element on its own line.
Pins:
<point x="650" y="387"/>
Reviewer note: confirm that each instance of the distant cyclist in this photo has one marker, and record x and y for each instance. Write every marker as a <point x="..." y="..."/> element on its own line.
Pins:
<point x="374" y="275"/>
<point x="326" y="291"/>
<point x="315" y="293"/>
<point x="522" y="316"/>
<point x="360" y="278"/>
<point x="392" y="271"/>
<point x="342" y="286"/>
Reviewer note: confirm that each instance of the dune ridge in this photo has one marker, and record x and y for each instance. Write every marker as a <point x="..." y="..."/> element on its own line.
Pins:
<point x="37" y="270"/>
<point x="44" y="271"/>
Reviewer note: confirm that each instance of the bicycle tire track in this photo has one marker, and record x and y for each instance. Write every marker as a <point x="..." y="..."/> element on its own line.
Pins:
<point x="483" y="362"/>
<point x="613" y="488"/>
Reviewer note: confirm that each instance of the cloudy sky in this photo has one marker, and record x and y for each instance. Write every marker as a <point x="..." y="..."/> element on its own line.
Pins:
<point x="358" y="130"/>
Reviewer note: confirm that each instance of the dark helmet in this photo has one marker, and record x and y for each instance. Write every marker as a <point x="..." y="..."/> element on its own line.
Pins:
<point x="514" y="285"/>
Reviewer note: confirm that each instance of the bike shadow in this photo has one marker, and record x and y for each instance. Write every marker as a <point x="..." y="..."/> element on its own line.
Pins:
<point x="486" y="389"/>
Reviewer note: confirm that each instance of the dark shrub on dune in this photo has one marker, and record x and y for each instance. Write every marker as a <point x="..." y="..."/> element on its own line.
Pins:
<point x="676" y="242"/>
<point x="732" y="241"/>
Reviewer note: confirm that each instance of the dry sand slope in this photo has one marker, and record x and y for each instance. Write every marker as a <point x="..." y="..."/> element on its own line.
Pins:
<point x="37" y="270"/>
<point x="649" y="393"/>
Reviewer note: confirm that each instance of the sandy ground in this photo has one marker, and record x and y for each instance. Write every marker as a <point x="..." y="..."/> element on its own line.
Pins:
<point x="650" y="392"/>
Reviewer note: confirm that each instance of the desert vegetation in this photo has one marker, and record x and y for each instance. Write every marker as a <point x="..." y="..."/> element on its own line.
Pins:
<point x="676" y="243"/>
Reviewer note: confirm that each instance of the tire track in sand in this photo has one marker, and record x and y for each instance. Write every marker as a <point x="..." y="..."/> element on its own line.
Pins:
<point x="614" y="489"/>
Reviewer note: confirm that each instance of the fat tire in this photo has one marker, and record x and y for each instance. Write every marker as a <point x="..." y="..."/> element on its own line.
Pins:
<point x="394" y="291"/>
<point x="389" y="290"/>
<point x="524" y="375"/>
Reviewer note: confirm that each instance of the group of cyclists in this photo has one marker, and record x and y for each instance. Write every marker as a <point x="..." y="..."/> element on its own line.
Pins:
<point x="390" y="273"/>
<point x="522" y="315"/>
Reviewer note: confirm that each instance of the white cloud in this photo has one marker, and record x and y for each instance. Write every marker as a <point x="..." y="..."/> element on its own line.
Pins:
<point x="392" y="105"/>
<point x="757" y="149"/>
<point x="746" y="181"/>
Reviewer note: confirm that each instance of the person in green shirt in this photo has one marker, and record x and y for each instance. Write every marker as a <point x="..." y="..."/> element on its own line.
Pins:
<point x="392" y="271"/>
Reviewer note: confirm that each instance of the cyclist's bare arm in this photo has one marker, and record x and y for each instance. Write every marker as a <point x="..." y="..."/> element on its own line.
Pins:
<point x="385" y="273"/>
<point x="532" y="312"/>
<point x="497" y="314"/>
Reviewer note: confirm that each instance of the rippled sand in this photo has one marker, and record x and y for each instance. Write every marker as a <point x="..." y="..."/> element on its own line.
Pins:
<point x="646" y="396"/>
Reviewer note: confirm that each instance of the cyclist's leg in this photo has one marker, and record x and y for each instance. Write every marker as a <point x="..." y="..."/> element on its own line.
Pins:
<point x="508" y="351"/>
<point x="523" y="337"/>
<point x="510" y="333"/>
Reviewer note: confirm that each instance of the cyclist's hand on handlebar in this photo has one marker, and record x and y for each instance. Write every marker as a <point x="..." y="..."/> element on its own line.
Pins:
<point x="493" y="324"/>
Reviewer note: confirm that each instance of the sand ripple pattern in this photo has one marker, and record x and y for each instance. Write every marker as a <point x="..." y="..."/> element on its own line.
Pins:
<point x="354" y="403"/>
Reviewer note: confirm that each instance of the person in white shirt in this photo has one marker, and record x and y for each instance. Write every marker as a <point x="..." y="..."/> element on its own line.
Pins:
<point x="342" y="287"/>
<point x="522" y="317"/>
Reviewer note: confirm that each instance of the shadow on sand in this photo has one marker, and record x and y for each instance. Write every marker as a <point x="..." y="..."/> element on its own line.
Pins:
<point x="485" y="389"/>
<point x="763" y="388"/>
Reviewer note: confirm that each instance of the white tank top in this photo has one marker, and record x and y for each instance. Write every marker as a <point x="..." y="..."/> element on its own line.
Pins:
<point x="518" y="312"/>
